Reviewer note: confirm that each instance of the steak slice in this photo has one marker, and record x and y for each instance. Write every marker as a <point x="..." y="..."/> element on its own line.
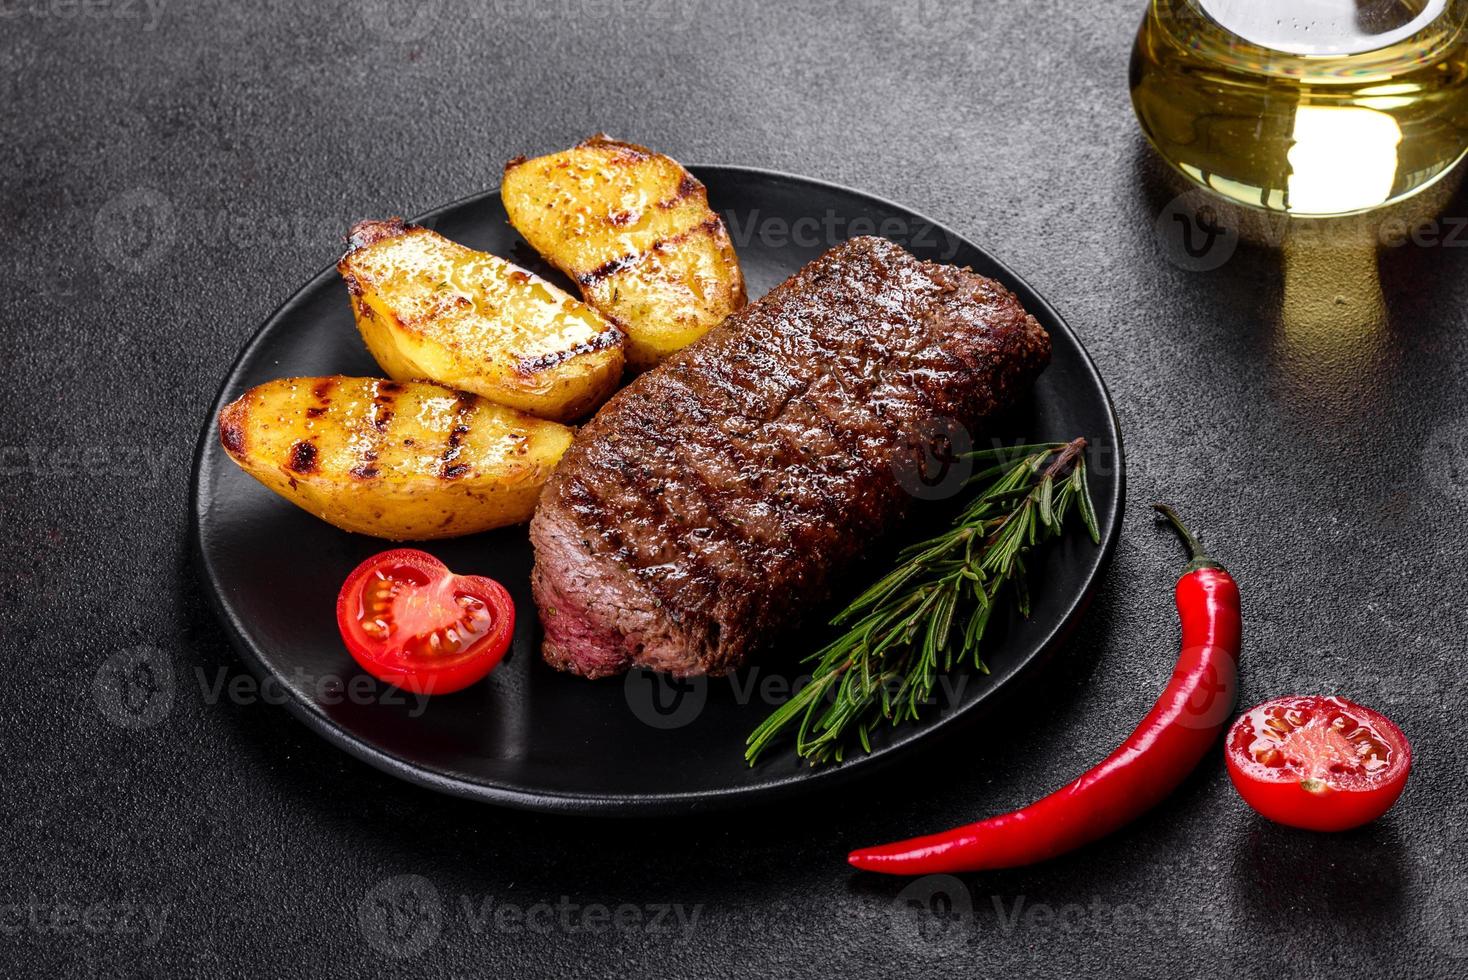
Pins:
<point x="711" y="502"/>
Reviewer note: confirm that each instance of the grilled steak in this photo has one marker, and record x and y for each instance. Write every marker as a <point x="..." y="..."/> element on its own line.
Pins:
<point x="712" y="501"/>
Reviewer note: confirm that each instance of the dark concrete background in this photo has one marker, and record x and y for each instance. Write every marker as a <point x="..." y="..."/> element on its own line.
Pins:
<point x="170" y="175"/>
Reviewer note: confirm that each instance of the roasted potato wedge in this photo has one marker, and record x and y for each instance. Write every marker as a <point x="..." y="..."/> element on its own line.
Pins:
<point x="408" y="462"/>
<point x="635" y="231"/>
<point x="431" y="309"/>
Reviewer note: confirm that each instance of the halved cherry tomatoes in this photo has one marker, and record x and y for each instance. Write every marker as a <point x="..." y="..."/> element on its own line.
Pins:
<point x="411" y="622"/>
<point x="1317" y="763"/>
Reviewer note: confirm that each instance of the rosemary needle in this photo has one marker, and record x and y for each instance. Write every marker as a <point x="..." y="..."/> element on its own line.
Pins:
<point x="928" y="615"/>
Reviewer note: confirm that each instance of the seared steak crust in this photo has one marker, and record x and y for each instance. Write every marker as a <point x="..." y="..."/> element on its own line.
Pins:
<point x="711" y="501"/>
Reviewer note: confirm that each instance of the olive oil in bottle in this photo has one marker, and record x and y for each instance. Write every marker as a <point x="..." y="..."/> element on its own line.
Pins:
<point x="1307" y="107"/>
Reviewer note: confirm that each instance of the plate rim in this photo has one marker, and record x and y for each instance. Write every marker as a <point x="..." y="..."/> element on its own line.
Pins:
<point x="642" y="804"/>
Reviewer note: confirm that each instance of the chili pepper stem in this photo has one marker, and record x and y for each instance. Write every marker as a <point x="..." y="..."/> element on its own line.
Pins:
<point x="1199" y="557"/>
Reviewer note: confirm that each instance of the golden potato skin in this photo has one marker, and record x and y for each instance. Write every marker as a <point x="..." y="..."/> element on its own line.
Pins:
<point x="403" y="461"/>
<point x="635" y="231"/>
<point x="431" y="309"/>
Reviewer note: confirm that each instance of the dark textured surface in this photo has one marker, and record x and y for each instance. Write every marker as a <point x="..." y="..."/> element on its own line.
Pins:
<point x="162" y="190"/>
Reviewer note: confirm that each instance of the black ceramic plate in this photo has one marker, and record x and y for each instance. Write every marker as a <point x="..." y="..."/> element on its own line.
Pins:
<point x="534" y="738"/>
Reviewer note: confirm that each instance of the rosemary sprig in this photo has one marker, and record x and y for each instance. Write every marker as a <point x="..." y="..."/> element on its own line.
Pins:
<point x="929" y="614"/>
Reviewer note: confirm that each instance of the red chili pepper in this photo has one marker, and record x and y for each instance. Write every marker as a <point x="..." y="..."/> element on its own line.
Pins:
<point x="1168" y="744"/>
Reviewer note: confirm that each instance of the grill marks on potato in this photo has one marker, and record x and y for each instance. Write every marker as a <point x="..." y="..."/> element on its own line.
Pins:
<point x="367" y="469"/>
<point x="428" y="307"/>
<point x="635" y="231"/>
<point x="406" y="461"/>
<point x="321" y="391"/>
<point x="449" y="466"/>
<point x="686" y="188"/>
<point x="383" y="404"/>
<point x="360" y="428"/>
<point x="608" y="268"/>
<point x="303" y="458"/>
<point x="708" y="229"/>
<point x="375" y="434"/>
<point x="605" y="340"/>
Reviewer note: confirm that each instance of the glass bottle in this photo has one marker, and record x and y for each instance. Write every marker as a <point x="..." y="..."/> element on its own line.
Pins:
<point x="1305" y="107"/>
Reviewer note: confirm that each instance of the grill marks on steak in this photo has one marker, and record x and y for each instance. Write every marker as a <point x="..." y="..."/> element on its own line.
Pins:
<point x="711" y="501"/>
